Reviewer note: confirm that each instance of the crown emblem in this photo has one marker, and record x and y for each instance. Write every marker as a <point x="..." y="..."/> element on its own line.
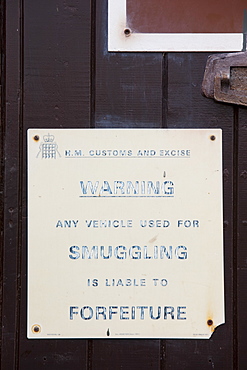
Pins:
<point x="48" y="138"/>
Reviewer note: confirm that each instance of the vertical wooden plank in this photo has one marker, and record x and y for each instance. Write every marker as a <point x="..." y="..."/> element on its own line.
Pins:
<point x="2" y="133"/>
<point x="128" y="94"/>
<point x="241" y="174"/>
<point x="188" y="109"/>
<point x="12" y="127"/>
<point x="2" y="127"/>
<point x="57" y="63"/>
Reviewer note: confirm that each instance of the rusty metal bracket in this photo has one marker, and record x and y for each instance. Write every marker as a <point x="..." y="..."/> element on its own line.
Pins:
<point x="225" y="78"/>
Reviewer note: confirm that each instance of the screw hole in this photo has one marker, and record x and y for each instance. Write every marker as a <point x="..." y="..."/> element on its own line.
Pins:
<point x="127" y="32"/>
<point x="212" y="137"/>
<point x="210" y="322"/>
<point x="36" y="138"/>
<point x="36" y="329"/>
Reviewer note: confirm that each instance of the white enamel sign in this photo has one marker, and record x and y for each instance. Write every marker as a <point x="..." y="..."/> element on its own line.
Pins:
<point x="124" y="233"/>
<point x="193" y="25"/>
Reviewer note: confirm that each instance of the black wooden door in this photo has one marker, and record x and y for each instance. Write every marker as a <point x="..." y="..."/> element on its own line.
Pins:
<point x="56" y="72"/>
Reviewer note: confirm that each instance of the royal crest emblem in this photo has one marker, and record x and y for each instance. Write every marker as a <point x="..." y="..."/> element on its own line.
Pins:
<point x="48" y="148"/>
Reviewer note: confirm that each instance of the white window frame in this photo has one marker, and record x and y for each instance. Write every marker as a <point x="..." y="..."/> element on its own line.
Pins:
<point x="162" y="42"/>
